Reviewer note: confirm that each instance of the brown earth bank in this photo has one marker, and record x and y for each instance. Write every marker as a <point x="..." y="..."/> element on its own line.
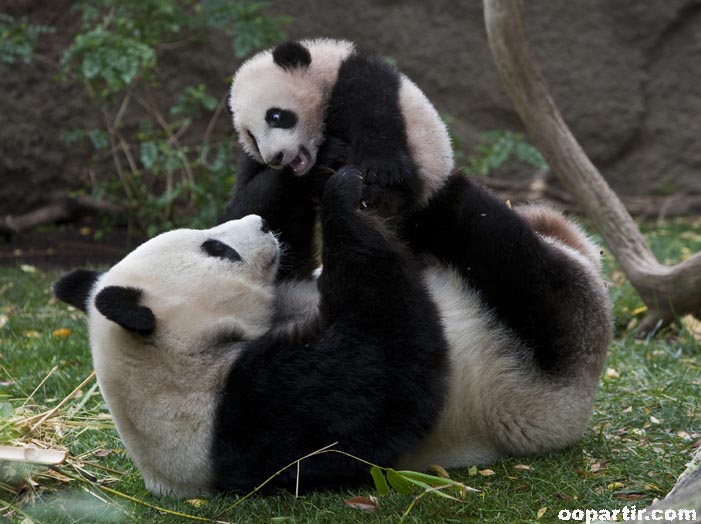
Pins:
<point x="625" y="75"/>
<point x="68" y="246"/>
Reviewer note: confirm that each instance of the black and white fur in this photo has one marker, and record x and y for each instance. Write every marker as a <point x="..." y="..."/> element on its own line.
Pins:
<point x="217" y="376"/>
<point x="219" y="368"/>
<point x="325" y="103"/>
<point x="523" y="305"/>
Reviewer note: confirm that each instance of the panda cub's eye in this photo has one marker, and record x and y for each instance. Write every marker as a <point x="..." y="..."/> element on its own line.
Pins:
<point x="216" y="248"/>
<point x="280" y="118"/>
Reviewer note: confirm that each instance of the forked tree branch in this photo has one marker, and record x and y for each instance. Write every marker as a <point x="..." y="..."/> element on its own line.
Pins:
<point x="667" y="291"/>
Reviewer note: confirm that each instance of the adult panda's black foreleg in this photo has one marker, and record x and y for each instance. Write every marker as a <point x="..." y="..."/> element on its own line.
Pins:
<point x="369" y="376"/>
<point x="288" y="205"/>
<point x="532" y="287"/>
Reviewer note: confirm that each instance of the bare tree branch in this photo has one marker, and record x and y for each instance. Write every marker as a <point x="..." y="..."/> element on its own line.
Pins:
<point x="63" y="208"/>
<point x="667" y="291"/>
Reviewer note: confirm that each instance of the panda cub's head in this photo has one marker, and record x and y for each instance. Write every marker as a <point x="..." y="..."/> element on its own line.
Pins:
<point x="165" y="324"/>
<point x="278" y="100"/>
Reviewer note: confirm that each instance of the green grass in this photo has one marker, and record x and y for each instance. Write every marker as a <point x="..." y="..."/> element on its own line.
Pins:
<point x="645" y="427"/>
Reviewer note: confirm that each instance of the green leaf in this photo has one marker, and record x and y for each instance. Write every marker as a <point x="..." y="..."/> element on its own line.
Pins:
<point x="5" y="409"/>
<point x="380" y="482"/>
<point x="398" y="482"/>
<point x="149" y="154"/>
<point x="99" y="139"/>
<point x="432" y="481"/>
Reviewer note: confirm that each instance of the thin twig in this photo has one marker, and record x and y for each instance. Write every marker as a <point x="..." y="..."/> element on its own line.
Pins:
<point x="55" y="410"/>
<point x="53" y="370"/>
<point x="325" y="449"/>
<point x="137" y="501"/>
<point x="152" y="108"/>
<point x="115" y="147"/>
<point x="213" y="121"/>
<point x="122" y="109"/>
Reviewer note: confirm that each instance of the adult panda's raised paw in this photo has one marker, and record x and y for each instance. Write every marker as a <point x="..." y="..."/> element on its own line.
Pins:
<point x="385" y="172"/>
<point x="344" y="187"/>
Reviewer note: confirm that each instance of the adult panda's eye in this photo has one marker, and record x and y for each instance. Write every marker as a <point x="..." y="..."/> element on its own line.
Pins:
<point x="280" y="118"/>
<point x="216" y="248"/>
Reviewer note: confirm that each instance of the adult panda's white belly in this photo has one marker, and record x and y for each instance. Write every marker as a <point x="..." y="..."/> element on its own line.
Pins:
<point x="497" y="404"/>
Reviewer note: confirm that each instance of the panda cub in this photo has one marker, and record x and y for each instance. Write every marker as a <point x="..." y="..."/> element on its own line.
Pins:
<point x="217" y="375"/>
<point x="324" y="103"/>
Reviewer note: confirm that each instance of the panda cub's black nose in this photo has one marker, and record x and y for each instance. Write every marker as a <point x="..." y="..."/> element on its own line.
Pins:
<point x="264" y="227"/>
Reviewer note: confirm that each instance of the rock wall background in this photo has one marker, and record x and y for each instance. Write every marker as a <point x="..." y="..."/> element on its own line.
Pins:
<point x="625" y="74"/>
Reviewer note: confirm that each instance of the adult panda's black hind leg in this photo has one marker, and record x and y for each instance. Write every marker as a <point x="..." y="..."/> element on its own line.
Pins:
<point x="533" y="288"/>
<point x="288" y="204"/>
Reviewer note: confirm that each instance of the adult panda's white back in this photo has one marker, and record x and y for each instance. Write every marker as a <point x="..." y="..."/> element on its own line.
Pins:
<point x="515" y="388"/>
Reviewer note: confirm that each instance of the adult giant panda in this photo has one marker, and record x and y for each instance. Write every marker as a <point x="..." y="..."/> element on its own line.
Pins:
<point x="325" y="102"/>
<point x="218" y="374"/>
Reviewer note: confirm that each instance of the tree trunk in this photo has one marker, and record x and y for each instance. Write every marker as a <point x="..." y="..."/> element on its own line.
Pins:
<point x="667" y="291"/>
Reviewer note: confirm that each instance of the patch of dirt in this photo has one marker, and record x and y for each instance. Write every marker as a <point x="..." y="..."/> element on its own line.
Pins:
<point x="67" y="246"/>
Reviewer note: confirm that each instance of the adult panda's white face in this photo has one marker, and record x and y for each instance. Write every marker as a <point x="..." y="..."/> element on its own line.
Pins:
<point x="166" y="324"/>
<point x="195" y="282"/>
<point x="278" y="101"/>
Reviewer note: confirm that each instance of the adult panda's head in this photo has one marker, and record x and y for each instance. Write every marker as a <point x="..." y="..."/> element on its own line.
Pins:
<point x="278" y="100"/>
<point x="166" y="324"/>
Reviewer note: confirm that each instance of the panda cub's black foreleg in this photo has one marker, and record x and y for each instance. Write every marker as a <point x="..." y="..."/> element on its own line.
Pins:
<point x="530" y="286"/>
<point x="288" y="205"/>
<point x="364" y="109"/>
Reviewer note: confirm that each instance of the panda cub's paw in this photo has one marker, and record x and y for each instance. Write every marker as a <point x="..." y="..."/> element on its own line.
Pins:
<point x="386" y="171"/>
<point x="344" y="187"/>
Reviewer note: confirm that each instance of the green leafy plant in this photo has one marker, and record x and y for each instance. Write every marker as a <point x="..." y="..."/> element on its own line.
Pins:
<point x="169" y="172"/>
<point x="497" y="148"/>
<point x="18" y="38"/>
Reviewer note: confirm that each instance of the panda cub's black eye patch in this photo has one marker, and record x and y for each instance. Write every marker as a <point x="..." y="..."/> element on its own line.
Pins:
<point x="216" y="248"/>
<point x="280" y="118"/>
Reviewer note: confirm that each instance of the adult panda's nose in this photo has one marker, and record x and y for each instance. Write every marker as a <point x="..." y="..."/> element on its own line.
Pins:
<point x="276" y="161"/>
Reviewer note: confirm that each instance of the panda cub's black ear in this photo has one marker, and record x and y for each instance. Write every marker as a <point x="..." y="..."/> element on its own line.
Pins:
<point x="290" y="55"/>
<point x="121" y="305"/>
<point x="74" y="288"/>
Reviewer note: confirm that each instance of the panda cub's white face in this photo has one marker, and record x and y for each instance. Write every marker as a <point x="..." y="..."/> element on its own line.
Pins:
<point x="279" y="112"/>
<point x="278" y="115"/>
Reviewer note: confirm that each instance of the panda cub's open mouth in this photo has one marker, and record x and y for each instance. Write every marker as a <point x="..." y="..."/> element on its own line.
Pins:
<point x="302" y="162"/>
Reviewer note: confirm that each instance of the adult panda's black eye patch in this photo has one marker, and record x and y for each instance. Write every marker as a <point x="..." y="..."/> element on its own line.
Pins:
<point x="280" y="118"/>
<point x="216" y="248"/>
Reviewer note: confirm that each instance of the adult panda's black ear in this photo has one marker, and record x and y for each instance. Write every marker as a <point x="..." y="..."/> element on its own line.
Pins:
<point x="290" y="55"/>
<point x="74" y="288"/>
<point x="121" y="305"/>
